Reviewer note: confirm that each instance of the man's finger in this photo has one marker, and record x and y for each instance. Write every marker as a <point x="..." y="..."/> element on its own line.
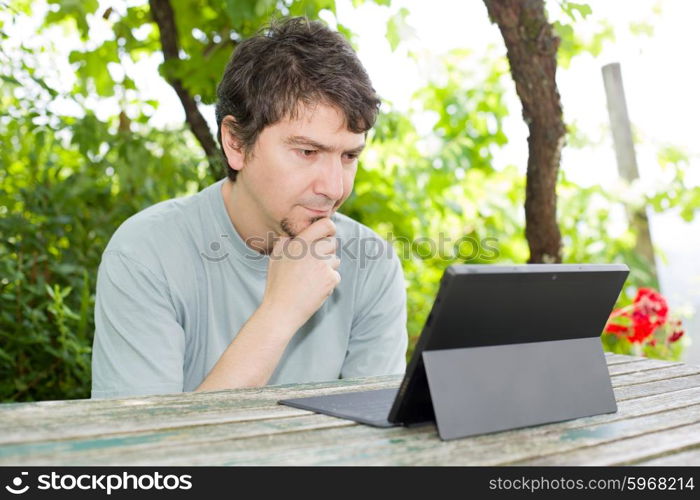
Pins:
<point x="324" y="247"/>
<point x="320" y="229"/>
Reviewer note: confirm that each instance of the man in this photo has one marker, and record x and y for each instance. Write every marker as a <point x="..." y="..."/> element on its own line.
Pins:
<point x="256" y="279"/>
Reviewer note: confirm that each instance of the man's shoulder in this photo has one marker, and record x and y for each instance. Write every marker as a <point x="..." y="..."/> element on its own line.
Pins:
<point x="159" y="229"/>
<point x="147" y="226"/>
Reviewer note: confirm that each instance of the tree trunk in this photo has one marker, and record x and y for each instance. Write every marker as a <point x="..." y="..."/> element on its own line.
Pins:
<point x="532" y="48"/>
<point x="164" y="17"/>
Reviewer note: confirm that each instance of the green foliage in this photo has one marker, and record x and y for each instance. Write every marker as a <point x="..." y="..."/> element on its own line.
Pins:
<point x="572" y="45"/>
<point x="67" y="184"/>
<point x="567" y="16"/>
<point x="72" y="10"/>
<point x="90" y="68"/>
<point x="395" y="27"/>
<point x="208" y="31"/>
<point x="676" y="194"/>
<point x="642" y="29"/>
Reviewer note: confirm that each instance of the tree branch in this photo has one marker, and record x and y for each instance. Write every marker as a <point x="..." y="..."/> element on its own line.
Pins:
<point x="164" y="17"/>
<point x="532" y="49"/>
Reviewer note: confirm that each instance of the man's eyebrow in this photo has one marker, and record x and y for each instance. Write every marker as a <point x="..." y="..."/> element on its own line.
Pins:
<point x="300" y="140"/>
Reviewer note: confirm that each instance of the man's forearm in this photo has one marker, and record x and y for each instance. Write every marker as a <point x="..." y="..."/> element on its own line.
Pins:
<point x="252" y="356"/>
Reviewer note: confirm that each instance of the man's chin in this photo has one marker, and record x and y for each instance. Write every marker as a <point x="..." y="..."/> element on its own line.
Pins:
<point x="293" y="228"/>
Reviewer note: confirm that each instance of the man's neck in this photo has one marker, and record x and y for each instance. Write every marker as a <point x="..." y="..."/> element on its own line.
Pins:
<point x="246" y="218"/>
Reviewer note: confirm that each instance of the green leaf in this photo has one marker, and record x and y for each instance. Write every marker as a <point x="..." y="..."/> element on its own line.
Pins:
<point x="571" y="9"/>
<point x="75" y="10"/>
<point x="396" y="28"/>
<point x="11" y="80"/>
<point x="92" y="67"/>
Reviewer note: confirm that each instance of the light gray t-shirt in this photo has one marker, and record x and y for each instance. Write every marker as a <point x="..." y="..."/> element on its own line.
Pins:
<point x="176" y="283"/>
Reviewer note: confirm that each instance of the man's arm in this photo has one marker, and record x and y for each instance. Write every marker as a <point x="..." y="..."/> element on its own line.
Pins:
<point x="302" y="274"/>
<point x="139" y="346"/>
<point x="378" y="338"/>
<point x="251" y="358"/>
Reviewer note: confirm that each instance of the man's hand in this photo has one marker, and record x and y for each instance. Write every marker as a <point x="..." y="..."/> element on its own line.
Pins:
<point x="303" y="272"/>
<point x="301" y="275"/>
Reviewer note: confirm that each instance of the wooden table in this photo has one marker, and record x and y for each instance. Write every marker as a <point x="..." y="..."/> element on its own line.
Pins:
<point x="658" y="423"/>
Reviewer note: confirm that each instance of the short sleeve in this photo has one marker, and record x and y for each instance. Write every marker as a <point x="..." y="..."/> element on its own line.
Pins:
<point x="378" y="337"/>
<point x="139" y="345"/>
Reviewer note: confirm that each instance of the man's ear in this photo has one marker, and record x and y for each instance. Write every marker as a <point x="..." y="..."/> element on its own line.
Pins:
<point x="235" y="155"/>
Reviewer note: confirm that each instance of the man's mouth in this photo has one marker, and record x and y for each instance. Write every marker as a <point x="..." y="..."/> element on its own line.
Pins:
<point x="318" y="212"/>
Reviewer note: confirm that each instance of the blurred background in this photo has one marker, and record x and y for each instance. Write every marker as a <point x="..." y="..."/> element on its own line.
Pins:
<point x="106" y="107"/>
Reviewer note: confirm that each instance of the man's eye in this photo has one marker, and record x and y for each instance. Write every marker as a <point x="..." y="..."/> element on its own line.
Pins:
<point x="351" y="156"/>
<point x="307" y="153"/>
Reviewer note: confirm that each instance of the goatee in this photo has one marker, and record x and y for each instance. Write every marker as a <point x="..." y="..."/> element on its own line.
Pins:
<point x="286" y="226"/>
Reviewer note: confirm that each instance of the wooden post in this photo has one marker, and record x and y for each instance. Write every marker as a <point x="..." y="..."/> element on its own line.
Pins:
<point x="626" y="158"/>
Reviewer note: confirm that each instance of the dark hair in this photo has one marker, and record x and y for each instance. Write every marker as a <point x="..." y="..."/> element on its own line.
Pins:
<point x="287" y="64"/>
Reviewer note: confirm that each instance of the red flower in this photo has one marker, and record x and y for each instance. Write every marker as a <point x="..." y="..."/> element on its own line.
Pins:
<point x="652" y="304"/>
<point x="675" y="336"/>
<point x="642" y="328"/>
<point x="647" y="313"/>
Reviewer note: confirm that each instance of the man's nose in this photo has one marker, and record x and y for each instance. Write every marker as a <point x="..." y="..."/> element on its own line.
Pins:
<point x="329" y="181"/>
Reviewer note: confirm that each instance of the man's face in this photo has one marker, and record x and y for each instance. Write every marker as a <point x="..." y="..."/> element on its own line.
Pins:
<point x="302" y="169"/>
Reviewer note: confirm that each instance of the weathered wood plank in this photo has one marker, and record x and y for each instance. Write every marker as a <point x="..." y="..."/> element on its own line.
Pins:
<point x="54" y="408"/>
<point x="656" y="387"/>
<point x="650" y="375"/>
<point x="88" y="451"/>
<point x="682" y="458"/>
<point x="139" y="414"/>
<point x="144" y="447"/>
<point x="639" y="366"/>
<point x="629" y="451"/>
<point x="616" y="359"/>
